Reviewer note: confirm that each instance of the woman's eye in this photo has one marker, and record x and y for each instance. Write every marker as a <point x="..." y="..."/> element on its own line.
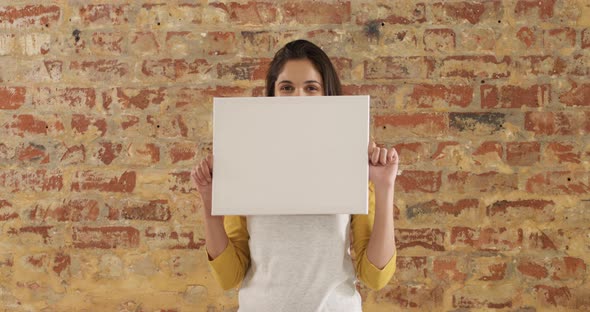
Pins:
<point x="286" y="88"/>
<point x="312" y="88"/>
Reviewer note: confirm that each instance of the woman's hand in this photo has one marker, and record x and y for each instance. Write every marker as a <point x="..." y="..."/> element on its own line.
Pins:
<point x="383" y="166"/>
<point x="202" y="177"/>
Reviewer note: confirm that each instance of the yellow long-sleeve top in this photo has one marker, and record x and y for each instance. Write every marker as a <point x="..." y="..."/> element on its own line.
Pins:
<point x="230" y="267"/>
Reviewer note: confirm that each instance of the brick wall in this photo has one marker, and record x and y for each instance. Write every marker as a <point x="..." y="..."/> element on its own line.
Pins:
<point x="105" y="106"/>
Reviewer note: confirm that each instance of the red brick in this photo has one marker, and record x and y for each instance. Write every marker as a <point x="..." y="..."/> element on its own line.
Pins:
<point x="467" y="182"/>
<point x="6" y="211"/>
<point x="440" y="40"/>
<point x="411" y="181"/>
<point x="100" y="70"/>
<point x="108" y="152"/>
<point x="29" y="15"/>
<point x="111" y="14"/>
<point x="531" y="37"/>
<point x="175" y="69"/>
<point x="398" y="67"/>
<point x="41" y="230"/>
<point x="523" y="153"/>
<point x="12" y="97"/>
<point x="172" y="239"/>
<point x="108" y="43"/>
<point x="129" y="121"/>
<point x="153" y="210"/>
<point x="181" y="152"/>
<point x="568" y="268"/>
<point x="249" y="13"/>
<point x="181" y="182"/>
<point x="578" y="95"/>
<point x="429" y="95"/>
<point x="450" y="269"/>
<point x="559" y="38"/>
<point x="171" y="126"/>
<point x="61" y="262"/>
<point x="540" y="240"/>
<point x="40" y="180"/>
<point x="532" y="269"/>
<point x="440" y="149"/>
<point x="544" y="65"/>
<point x="259" y="42"/>
<point x="472" y="66"/>
<point x="563" y="153"/>
<point x="487" y="239"/>
<point x="395" y="13"/>
<point x="424" y="123"/>
<point x="413" y="152"/>
<point x="105" y="237"/>
<point x="81" y="123"/>
<point x="312" y="12"/>
<point x="482" y="297"/>
<point x="411" y="268"/>
<point x="130" y="98"/>
<point x="220" y="43"/>
<point x="464" y="11"/>
<point x="432" y="239"/>
<point x="63" y="98"/>
<point x="497" y="272"/>
<point x="246" y="69"/>
<point x="441" y="208"/>
<point x="424" y="297"/>
<point x="67" y="210"/>
<point x="75" y="154"/>
<point x="542" y="8"/>
<point x="551" y="295"/>
<point x="515" y="96"/>
<point x="488" y="147"/>
<point x="519" y="207"/>
<point x="89" y="180"/>
<point x="32" y="153"/>
<point x="559" y="183"/>
<point x="549" y="123"/>
<point x="29" y="124"/>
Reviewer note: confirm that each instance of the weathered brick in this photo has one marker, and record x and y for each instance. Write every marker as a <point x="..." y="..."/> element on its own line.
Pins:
<point x="46" y="98"/>
<point x="467" y="66"/>
<point x="175" y="69"/>
<point x="439" y="40"/>
<point x="246" y="69"/>
<point x="105" y="237"/>
<point x="487" y="239"/>
<point x="463" y="11"/>
<point x="98" y="14"/>
<point x="577" y="95"/>
<point x="559" y="183"/>
<point x="559" y="38"/>
<point x="391" y="13"/>
<point x="431" y="124"/>
<point x="29" y="15"/>
<point x="66" y="210"/>
<point x="523" y="153"/>
<point x="12" y="97"/>
<point x="398" y="67"/>
<point x="6" y="211"/>
<point x="249" y="13"/>
<point x="39" y="180"/>
<point x="543" y="9"/>
<point x="412" y="296"/>
<point x="84" y="123"/>
<point x="483" y="123"/>
<point x="432" y="239"/>
<point x="439" y="95"/>
<point x="562" y="153"/>
<point x="89" y="180"/>
<point x="100" y="70"/>
<point x="312" y="12"/>
<point x="411" y="181"/>
<point x="515" y="96"/>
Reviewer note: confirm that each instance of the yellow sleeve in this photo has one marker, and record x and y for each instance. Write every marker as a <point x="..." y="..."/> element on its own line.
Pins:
<point x="362" y="225"/>
<point x="229" y="268"/>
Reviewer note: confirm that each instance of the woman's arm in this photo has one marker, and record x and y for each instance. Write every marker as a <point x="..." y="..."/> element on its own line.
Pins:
<point x="381" y="245"/>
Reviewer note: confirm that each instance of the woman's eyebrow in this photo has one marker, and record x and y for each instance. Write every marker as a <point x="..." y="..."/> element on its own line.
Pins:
<point x="285" y="81"/>
<point x="308" y="81"/>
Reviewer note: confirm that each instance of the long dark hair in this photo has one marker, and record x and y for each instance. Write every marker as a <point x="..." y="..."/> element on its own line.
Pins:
<point x="303" y="49"/>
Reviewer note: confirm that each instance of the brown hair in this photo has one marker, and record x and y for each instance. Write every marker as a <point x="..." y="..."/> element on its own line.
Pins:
<point x="303" y="49"/>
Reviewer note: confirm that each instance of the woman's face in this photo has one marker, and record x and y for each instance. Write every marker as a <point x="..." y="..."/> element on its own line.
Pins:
<point x="299" y="78"/>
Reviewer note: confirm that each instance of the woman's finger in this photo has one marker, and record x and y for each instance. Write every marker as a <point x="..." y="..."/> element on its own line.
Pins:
<point x="375" y="156"/>
<point x="210" y="163"/>
<point x="203" y="173"/>
<point x="199" y="177"/>
<point x="383" y="156"/>
<point x="207" y="170"/>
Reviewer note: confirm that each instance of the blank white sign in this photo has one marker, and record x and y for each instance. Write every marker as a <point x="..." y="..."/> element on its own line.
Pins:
<point x="290" y="155"/>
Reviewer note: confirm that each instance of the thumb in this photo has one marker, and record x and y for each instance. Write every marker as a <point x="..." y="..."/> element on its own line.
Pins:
<point x="372" y="145"/>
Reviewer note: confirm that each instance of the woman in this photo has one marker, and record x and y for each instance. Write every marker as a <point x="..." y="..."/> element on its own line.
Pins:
<point x="302" y="262"/>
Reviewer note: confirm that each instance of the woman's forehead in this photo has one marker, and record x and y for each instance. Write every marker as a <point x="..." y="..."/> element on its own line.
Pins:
<point x="299" y="71"/>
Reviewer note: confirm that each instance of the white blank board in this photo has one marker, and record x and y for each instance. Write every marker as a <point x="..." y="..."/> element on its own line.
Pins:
<point x="290" y="155"/>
